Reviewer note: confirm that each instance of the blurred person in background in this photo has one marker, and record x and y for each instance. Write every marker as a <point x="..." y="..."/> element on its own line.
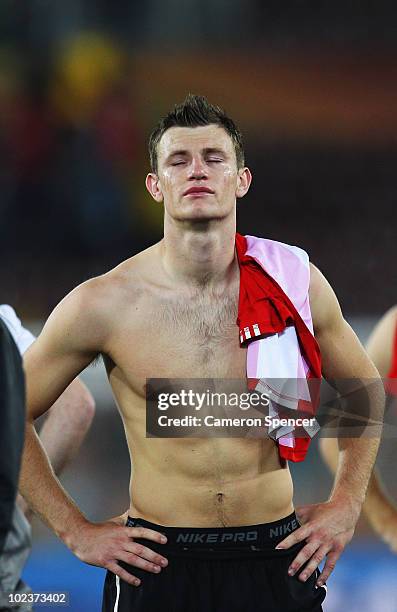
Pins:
<point x="12" y="410"/>
<point x="62" y="433"/>
<point x="171" y="311"/>
<point x="379" y="509"/>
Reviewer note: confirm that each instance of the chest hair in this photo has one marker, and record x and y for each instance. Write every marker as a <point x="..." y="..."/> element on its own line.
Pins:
<point x="205" y="319"/>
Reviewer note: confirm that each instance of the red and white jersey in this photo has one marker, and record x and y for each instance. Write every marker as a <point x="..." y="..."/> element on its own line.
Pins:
<point x="275" y="322"/>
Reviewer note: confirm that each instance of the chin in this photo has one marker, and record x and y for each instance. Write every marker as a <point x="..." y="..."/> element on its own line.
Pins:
<point x="201" y="212"/>
<point x="203" y="216"/>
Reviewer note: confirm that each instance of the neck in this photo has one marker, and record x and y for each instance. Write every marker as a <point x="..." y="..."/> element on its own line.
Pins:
<point x="199" y="253"/>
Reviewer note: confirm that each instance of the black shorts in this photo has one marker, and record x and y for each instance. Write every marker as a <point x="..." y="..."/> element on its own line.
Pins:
<point x="230" y="569"/>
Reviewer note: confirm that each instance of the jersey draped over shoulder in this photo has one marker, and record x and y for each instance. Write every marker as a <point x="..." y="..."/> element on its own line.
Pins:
<point x="274" y="319"/>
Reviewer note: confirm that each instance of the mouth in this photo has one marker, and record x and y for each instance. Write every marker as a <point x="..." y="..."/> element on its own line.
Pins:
<point x="198" y="191"/>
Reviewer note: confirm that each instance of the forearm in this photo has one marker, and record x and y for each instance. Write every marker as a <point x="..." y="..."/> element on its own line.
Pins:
<point x="377" y="507"/>
<point x="104" y="544"/>
<point x="44" y="493"/>
<point x="364" y="407"/>
<point x="356" y="460"/>
<point x="67" y="424"/>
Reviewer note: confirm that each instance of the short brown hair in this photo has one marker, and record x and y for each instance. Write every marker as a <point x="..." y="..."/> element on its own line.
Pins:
<point x="195" y="111"/>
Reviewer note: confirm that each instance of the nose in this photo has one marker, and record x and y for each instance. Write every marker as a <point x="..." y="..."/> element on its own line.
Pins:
<point x="198" y="169"/>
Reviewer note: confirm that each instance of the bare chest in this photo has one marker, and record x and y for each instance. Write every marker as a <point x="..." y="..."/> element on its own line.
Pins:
<point x="196" y="338"/>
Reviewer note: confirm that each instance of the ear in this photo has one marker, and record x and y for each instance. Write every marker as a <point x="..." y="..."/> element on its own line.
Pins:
<point x="243" y="182"/>
<point x="153" y="186"/>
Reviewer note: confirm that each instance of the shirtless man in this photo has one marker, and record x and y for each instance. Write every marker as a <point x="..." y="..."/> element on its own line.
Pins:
<point x="380" y="511"/>
<point x="62" y="433"/>
<point x="170" y="312"/>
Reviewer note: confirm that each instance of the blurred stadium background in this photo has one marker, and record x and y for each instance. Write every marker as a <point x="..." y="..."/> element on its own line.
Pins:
<point x="313" y="87"/>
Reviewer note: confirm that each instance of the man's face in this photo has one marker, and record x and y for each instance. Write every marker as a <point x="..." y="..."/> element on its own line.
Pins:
<point x="197" y="176"/>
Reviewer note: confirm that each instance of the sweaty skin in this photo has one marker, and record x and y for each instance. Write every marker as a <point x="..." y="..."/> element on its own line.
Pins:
<point x="164" y="334"/>
<point x="170" y="311"/>
<point x="201" y="482"/>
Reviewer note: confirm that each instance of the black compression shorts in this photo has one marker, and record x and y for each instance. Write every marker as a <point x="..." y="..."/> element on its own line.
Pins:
<point x="230" y="569"/>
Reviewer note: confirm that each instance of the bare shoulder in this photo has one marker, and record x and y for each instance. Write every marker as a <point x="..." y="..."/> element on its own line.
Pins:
<point x="131" y="274"/>
<point x="342" y="354"/>
<point x="87" y="315"/>
<point x="102" y="294"/>
<point x="316" y="282"/>
<point x="79" y="320"/>
<point x="128" y="285"/>
<point x="324" y="304"/>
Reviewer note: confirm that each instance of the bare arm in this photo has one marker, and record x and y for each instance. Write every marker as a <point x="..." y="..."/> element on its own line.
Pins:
<point x="380" y="512"/>
<point x="63" y="349"/>
<point x="328" y="527"/>
<point x="74" y="334"/>
<point x="343" y="357"/>
<point x="65" y="428"/>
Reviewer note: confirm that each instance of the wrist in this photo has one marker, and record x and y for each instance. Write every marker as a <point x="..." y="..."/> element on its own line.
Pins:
<point x="71" y="534"/>
<point x="353" y="503"/>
